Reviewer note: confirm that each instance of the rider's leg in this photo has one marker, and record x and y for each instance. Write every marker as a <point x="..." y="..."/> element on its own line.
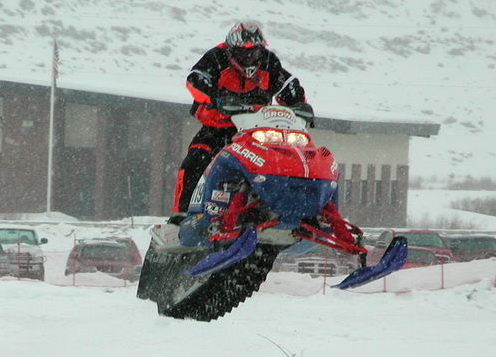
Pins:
<point x="188" y="176"/>
<point x="204" y="146"/>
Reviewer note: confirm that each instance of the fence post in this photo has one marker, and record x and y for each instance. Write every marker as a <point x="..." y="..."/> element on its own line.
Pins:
<point x="73" y="263"/>
<point x="442" y="276"/>
<point x="326" y="262"/>
<point x="18" y="255"/>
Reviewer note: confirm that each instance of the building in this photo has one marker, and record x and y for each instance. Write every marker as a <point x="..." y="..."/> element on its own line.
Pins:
<point x="116" y="156"/>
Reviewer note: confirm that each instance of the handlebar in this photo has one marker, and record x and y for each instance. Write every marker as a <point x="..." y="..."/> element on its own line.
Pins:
<point x="232" y="106"/>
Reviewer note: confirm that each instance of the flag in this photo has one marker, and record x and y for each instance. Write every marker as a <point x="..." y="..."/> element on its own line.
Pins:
<point x="56" y="59"/>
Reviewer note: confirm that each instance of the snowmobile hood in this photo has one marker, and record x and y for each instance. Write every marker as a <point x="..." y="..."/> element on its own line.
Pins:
<point x="285" y="160"/>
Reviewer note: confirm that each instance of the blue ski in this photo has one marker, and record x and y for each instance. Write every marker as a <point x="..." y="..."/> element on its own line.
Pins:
<point x="392" y="260"/>
<point x="239" y="250"/>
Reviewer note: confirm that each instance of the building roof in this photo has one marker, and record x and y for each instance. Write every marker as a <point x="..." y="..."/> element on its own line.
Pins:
<point x="349" y="126"/>
<point x="390" y="125"/>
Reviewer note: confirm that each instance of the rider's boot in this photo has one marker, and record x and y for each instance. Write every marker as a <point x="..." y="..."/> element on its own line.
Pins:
<point x="176" y="218"/>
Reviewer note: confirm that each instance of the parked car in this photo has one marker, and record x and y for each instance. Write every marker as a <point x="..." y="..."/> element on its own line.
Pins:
<point x="470" y="247"/>
<point x="115" y="256"/>
<point x="4" y="262"/>
<point x="314" y="259"/>
<point x="416" y="238"/>
<point x="22" y="245"/>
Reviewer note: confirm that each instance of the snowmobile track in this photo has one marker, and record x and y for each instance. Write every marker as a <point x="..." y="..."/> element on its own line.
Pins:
<point x="216" y="294"/>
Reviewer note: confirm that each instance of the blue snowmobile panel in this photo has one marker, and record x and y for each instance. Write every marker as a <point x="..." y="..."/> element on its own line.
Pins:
<point x="292" y="198"/>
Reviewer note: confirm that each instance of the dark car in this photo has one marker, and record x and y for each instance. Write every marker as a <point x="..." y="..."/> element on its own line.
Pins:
<point x="416" y="238"/>
<point x="22" y="245"/>
<point x="115" y="256"/>
<point x="470" y="247"/>
<point x="314" y="259"/>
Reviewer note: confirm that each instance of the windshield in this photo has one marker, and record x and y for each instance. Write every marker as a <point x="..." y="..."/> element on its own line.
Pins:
<point x="103" y="252"/>
<point x="272" y="116"/>
<point x="421" y="239"/>
<point x="13" y="236"/>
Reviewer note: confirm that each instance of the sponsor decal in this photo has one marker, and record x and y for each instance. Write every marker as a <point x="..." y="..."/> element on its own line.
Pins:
<point x="197" y="197"/>
<point x="214" y="209"/>
<point x="254" y="158"/>
<point x="250" y="71"/>
<point x="259" y="179"/>
<point x="334" y="168"/>
<point x="194" y="221"/>
<point x="270" y="113"/>
<point x="221" y="196"/>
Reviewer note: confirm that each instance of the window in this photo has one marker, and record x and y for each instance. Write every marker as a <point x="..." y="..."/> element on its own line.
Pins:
<point x="476" y="245"/>
<point x="139" y="133"/>
<point x="348" y="191"/>
<point x="378" y="193"/>
<point x="80" y="126"/>
<point x="395" y="198"/>
<point x="104" y="252"/>
<point x="421" y="257"/>
<point x="364" y="193"/>
<point x="2" y="123"/>
<point x="424" y="239"/>
<point x="12" y="236"/>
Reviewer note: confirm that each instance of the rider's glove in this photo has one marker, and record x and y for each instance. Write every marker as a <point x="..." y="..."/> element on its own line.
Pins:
<point x="305" y="111"/>
<point x="232" y="105"/>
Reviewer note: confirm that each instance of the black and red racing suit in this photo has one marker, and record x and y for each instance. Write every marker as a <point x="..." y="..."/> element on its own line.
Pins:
<point x="216" y="75"/>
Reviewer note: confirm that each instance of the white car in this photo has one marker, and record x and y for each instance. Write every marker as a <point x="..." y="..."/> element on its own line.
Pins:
<point x="22" y="246"/>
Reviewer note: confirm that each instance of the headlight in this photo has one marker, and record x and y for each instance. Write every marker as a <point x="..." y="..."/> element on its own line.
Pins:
<point x="268" y="136"/>
<point x="297" y="139"/>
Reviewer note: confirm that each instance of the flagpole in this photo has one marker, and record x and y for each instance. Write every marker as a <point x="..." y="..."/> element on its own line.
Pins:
<point x="50" y="127"/>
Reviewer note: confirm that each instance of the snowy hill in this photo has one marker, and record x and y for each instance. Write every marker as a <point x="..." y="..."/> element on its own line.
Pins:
<point x="427" y="60"/>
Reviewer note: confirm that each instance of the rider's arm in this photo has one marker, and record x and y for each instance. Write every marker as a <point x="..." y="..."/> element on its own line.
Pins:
<point x="202" y="80"/>
<point x="283" y="85"/>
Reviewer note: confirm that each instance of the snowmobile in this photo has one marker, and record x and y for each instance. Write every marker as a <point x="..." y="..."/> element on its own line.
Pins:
<point x="267" y="190"/>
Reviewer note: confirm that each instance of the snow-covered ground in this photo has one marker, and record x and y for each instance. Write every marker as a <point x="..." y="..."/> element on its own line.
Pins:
<point x="50" y="321"/>
<point x="289" y="316"/>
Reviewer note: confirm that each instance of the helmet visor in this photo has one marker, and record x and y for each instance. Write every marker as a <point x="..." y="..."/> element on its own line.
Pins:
<point x="247" y="56"/>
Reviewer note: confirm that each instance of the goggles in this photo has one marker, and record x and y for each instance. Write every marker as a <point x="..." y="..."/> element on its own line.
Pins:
<point x="247" y="56"/>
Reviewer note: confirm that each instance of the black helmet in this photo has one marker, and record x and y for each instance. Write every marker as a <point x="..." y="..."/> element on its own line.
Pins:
<point x="246" y="44"/>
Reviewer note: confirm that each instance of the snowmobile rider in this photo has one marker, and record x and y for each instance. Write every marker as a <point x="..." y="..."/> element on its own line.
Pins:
<point x="241" y="69"/>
